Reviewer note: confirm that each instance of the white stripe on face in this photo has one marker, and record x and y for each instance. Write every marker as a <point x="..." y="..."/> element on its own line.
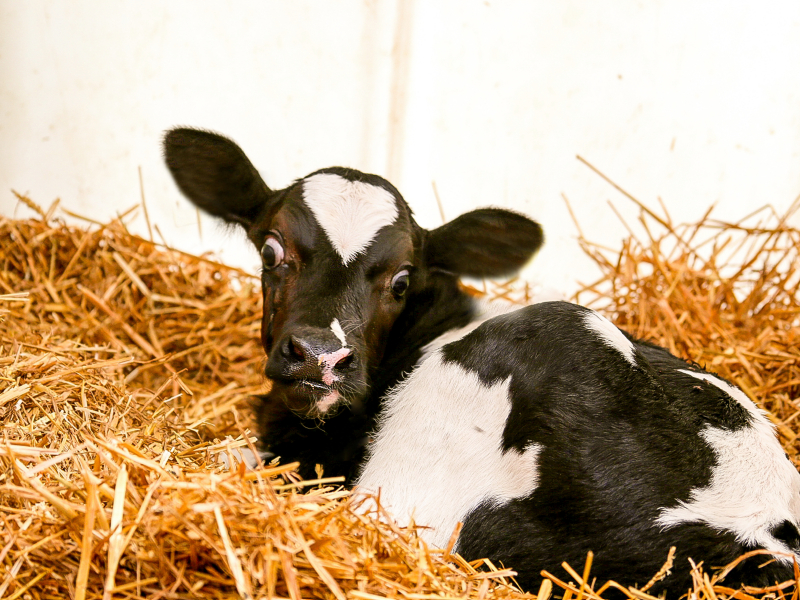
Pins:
<point x="337" y="330"/>
<point x="350" y="212"/>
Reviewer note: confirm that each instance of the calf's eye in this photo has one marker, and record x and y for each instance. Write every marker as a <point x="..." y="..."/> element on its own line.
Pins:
<point x="400" y="283"/>
<point x="271" y="253"/>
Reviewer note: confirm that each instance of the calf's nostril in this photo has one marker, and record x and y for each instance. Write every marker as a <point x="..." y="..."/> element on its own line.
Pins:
<point x="295" y="349"/>
<point x="344" y="362"/>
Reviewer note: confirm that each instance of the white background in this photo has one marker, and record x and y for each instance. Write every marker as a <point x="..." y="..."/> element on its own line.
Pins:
<point x="693" y="101"/>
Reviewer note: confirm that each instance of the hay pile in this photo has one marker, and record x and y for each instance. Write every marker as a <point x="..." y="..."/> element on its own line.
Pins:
<point x="125" y="372"/>
<point x="725" y="295"/>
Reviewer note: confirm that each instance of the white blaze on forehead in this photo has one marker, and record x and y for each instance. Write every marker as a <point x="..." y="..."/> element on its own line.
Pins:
<point x="337" y="330"/>
<point x="350" y="212"/>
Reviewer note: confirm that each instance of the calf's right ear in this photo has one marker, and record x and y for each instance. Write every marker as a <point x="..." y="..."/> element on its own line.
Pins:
<point x="214" y="173"/>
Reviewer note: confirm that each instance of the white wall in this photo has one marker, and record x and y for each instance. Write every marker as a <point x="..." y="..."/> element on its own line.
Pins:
<point x="695" y="101"/>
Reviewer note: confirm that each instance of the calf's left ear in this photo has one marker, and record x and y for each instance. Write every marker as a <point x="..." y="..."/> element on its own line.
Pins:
<point x="488" y="242"/>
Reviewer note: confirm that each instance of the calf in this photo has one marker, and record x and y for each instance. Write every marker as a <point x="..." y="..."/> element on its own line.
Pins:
<point x="547" y="431"/>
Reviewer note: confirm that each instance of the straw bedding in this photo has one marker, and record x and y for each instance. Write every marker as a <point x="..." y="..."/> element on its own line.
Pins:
<point x="125" y="374"/>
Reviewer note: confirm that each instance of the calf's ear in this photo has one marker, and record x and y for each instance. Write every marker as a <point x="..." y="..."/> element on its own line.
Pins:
<point x="488" y="242"/>
<point x="214" y="173"/>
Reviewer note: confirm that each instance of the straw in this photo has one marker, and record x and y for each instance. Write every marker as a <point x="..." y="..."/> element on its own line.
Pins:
<point x="127" y="369"/>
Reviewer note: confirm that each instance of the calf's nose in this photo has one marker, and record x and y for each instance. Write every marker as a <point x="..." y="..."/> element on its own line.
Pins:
<point x="315" y="354"/>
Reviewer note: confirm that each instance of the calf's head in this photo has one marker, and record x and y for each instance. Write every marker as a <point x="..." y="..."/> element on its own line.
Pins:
<point x="342" y="259"/>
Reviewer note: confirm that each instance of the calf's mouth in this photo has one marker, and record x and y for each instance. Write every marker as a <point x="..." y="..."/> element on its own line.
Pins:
<point x="309" y="398"/>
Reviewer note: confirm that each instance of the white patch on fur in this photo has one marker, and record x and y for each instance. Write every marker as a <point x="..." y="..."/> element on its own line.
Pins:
<point x="733" y="392"/>
<point x="327" y="401"/>
<point x="246" y="456"/>
<point x="610" y="334"/>
<point x="438" y="453"/>
<point x="337" y="330"/>
<point x="753" y="487"/>
<point x="350" y="212"/>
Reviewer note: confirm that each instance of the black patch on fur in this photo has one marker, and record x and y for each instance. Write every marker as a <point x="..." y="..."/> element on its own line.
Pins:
<point x="619" y="444"/>
<point x="787" y="532"/>
<point x="710" y="405"/>
<point x="530" y="538"/>
<point x="338" y="444"/>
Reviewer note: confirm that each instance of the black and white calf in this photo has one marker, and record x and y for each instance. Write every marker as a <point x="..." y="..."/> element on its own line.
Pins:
<point x="546" y="430"/>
